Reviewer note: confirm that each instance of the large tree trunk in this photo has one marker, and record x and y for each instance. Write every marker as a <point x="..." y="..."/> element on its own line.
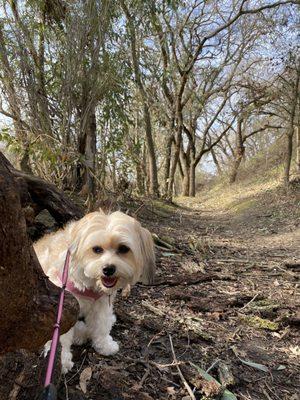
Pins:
<point x="27" y="298"/>
<point x="140" y="179"/>
<point x="186" y="177"/>
<point x="186" y="182"/>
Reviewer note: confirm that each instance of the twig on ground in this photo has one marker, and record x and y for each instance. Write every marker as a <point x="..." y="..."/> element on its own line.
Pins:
<point x="66" y="386"/>
<point x="139" y="385"/>
<point x="79" y="369"/>
<point x="249" y="302"/>
<point x="135" y="213"/>
<point x="213" y="365"/>
<point x="153" y="338"/>
<point x="186" y="385"/>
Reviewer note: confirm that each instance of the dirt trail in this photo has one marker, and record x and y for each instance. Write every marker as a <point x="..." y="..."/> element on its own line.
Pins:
<point x="227" y="291"/>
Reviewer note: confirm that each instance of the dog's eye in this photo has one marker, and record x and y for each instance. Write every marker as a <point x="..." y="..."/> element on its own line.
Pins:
<point x="122" y="249"/>
<point x="97" y="249"/>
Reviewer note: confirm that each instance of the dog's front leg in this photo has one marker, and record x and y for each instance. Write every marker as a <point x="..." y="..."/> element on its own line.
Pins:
<point x="66" y="341"/>
<point x="100" y="322"/>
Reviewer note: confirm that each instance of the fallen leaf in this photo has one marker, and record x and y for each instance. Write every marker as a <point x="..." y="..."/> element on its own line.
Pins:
<point x="171" y="390"/>
<point x="295" y="350"/>
<point x="85" y="376"/>
<point x="260" y="367"/>
<point x="280" y="367"/>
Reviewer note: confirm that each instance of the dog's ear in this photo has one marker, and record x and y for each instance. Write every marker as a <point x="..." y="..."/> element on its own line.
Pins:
<point x="148" y="254"/>
<point x="73" y="247"/>
<point x="75" y="237"/>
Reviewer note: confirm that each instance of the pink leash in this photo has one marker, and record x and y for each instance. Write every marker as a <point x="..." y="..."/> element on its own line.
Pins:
<point x="49" y="392"/>
<point x="48" y="387"/>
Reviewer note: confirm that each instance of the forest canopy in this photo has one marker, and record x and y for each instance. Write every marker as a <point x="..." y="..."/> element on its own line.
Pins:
<point x="140" y="96"/>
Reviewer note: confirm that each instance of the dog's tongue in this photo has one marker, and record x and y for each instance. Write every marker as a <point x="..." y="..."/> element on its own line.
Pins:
<point x="109" y="281"/>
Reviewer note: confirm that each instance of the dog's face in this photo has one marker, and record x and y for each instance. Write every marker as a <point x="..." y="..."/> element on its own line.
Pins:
<point x="111" y="251"/>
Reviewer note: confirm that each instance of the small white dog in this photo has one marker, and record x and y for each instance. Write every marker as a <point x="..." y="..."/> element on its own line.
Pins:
<point x="108" y="252"/>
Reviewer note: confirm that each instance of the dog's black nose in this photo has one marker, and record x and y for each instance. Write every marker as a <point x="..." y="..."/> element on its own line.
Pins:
<point x="109" y="270"/>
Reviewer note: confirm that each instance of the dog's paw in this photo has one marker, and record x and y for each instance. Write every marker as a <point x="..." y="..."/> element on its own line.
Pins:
<point x="66" y="362"/>
<point x="107" y="347"/>
<point x="46" y="348"/>
<point x="66" y="367"/>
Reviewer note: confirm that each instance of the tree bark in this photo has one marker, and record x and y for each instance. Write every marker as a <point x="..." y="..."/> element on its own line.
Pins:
<point x="174" y="162"/>
<point x="236" y="164"/>
<point x="298" y="149"/>
<point x="28" y="299"/>
<point x="185" y="162"/>
<point x="192" y="192"/>
<point x="139" y="179"/>
<point x="87" y="148"/>
<point x="153" y="177"/>
<point x="167" y="164"/>
<point x="216" y="161"/>
<point x="291" y="127"/>
<point x="288" y="157"/>
<point x="238" y="152"/>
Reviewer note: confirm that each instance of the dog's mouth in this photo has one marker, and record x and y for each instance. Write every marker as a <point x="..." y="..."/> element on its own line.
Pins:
<point x="108" y="281"/>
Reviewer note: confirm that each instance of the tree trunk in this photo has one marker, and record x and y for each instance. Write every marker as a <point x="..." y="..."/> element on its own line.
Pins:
<point x="174" y="162"/>
<point x="192" y="192"/>
<point x="298" y="149"/>
<point x="290" y="133"/>
<point x="216" y="161"/>
<point x="236" y="164"/>
<point x="87" y="148"/>
<point x="288" y="157"/>
<point x="153" y="178"/>
<point x="186" y="182"/>
<point x="27" y="298"/>
<point x="140" y="179"/>
<point x="185" y="189"/>
<point x="167" y="164"/>
<point x="239" y="152"/>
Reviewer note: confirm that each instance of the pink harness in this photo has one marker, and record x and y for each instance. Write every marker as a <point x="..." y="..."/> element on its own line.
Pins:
<point x="89" y="293"/>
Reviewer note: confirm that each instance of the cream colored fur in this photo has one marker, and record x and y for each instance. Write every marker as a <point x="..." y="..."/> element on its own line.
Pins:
<point x="109" y="233"/>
